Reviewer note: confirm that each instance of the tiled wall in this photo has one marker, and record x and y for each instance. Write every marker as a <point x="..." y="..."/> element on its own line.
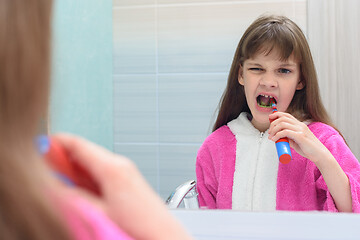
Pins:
<point x="171" y="60"/>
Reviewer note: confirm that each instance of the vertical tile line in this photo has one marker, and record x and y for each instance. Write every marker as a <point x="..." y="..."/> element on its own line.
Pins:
<point x="157" y="98"/>
<point x="113" y="82"/>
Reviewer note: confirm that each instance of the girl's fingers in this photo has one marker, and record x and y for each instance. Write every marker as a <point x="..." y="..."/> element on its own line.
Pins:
<point x="81" y="148"/>
<point x="301" y="139"/>
<point x="281" y="122"/>
<point x="94" y="158"/>
<point x="285" y="125"/>
<point x="276" y="115"/>
<point x="290" y="134"/>
<point x="281" y="127"/>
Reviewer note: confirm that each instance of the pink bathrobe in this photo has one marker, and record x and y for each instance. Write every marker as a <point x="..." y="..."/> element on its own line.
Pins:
<point x="299" y="184"/>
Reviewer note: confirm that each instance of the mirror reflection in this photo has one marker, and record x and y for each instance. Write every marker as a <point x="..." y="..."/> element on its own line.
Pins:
<point x="171" y="65"/>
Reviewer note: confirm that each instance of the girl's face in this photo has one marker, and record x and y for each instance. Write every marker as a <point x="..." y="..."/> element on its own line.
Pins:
<point x="265" y="77"/>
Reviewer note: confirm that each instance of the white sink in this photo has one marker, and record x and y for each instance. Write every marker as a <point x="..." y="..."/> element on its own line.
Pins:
<point x="228" y="224"/>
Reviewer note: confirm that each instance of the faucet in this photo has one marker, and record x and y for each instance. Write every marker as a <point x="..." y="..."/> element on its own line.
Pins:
<point x="187" y="192"/>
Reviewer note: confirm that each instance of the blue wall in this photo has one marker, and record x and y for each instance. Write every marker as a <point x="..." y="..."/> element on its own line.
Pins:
<point x="82" y="91"/>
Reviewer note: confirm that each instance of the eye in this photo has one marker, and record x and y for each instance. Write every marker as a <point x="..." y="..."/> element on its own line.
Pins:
<point x="255" y="69"/>
<point x="284" y="70"/>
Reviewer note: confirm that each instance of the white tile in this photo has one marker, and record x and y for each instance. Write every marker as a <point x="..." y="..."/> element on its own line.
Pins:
<point x="134" y="40"/>
<point x="203" y="38"/>
<point x="146" y="159"/>
<point x="126" y="3"/>
<point x="209" y="1"/>
<point x="144" y="156"/>
<point x="187" y="104"/>
<point x="178" y="159"/>
<point x="135" y="116"/>
<point x="177" y="165"/>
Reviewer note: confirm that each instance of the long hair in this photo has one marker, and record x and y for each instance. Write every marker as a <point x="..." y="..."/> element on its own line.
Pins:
<point x="25" y="207"/>
<point x="265" y="34"/>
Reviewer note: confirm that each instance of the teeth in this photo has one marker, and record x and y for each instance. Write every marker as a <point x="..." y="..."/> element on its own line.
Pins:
<point x="266" y="96"/>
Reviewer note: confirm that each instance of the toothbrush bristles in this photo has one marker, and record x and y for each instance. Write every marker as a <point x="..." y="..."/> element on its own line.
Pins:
<point x="273" y="104"/>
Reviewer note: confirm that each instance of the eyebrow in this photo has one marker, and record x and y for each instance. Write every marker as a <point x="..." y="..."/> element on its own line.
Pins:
<point x="288" y="65"/>
<point x="281" y="65"/>
<point x="255" y="64"/>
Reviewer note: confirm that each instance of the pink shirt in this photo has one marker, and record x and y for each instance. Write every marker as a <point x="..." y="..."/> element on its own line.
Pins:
<point x="299" y="187"/>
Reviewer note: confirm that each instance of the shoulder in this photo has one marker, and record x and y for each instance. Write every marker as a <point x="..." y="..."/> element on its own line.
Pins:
<point x="336" y="144"/>
<point x="217" y="142"/>
<point x="323" y="131"/>
<point x="219" y="136"/>
<point x="217" y="151"/>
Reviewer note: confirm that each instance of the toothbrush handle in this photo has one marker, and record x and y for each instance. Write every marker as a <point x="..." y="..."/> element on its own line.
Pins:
<point x="59" y="160"/>
<point x="283" y="150"/>
<point x="282" y="147"/>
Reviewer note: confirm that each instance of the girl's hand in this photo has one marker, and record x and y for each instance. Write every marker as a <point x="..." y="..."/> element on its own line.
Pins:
<point x="306" y="144"/>
<point x="125" y="195"/>
<point x="301" y="139"/>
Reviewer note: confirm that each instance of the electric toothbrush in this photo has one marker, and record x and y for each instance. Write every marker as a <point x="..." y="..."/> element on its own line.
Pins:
<point x="282" y="145"/>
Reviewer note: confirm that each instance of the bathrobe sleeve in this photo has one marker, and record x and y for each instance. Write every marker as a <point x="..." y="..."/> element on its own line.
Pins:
<point x="350" y="166"/>
<point x="206" y="182"/>
<point x="215" y="165"/>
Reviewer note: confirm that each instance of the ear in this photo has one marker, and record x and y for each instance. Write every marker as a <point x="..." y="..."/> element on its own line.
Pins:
<point x="300" y="85"/>
<point x="240" y="77"/>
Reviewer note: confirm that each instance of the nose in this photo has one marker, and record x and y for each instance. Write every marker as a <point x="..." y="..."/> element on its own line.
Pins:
<point x="269" y="80"/>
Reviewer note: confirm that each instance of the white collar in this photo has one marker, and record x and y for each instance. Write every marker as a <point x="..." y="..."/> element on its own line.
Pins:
<point x="242" y="125"/>
<point x="256" y="167"/>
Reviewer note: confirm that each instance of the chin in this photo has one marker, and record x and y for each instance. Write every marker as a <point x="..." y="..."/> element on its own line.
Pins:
<point x="262" y="120"/>
<point x="261" y="117"/>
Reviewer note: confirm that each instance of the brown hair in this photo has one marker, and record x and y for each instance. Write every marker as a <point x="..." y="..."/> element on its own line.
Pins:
<point x="264" y="34"/>
<point x="25" y="208"/>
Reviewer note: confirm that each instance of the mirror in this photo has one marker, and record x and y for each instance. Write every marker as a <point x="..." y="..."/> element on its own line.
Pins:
<point x="170" y="60"/>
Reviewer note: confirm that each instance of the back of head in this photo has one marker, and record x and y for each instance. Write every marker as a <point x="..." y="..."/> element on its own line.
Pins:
<point x="24" y="82"/>
<point x="24" y="64"/>
<point x="266" y="33"/>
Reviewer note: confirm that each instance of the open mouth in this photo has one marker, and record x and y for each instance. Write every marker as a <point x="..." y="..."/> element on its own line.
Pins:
<point x="265" y="100"/>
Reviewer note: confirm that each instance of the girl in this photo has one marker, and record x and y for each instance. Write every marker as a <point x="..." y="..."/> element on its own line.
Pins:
<point x="33" y="203"/>
<point x="237" y="166"/>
